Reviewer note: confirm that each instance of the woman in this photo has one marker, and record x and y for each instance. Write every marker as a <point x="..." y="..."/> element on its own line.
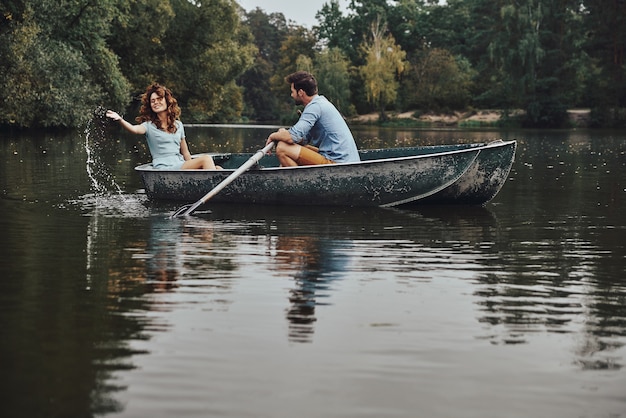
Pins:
<point x="158" y="120"/>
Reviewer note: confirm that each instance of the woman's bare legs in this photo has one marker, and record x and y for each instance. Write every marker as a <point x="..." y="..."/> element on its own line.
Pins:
<point x="202" y="162"/>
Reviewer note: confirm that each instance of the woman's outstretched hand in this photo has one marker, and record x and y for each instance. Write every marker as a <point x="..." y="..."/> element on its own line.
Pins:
<point x="113" y="115"/>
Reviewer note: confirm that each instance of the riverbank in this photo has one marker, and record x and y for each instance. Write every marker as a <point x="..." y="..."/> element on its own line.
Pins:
<point x="579" y="118"/>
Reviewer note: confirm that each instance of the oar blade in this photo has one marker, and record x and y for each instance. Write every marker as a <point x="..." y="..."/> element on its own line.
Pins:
<point x="182" y="211"/>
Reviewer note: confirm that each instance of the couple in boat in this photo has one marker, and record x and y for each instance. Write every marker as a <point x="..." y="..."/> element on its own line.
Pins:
<point x="321" y="135"/>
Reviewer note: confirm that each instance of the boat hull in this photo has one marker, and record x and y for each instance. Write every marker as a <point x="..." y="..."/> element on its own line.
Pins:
<point x="468" y="174"/>
<point x="483" y="179"/>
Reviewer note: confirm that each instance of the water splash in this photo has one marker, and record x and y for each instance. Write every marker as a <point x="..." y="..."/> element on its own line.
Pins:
<point x="107" y="197"/>
<point x="102" y="182"/>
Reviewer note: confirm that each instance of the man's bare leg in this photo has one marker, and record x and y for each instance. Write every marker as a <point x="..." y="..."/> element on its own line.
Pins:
<point x="288" y="154"/>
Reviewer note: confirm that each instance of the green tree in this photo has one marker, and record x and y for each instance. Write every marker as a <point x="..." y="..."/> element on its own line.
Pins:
<point x="55" y="65"/>
<point x="206" y="50"/>
<point x="408" y="22"/>
<point x="140" y="45"/>
<point x="465" y="28"/>
<point x="533" y="58"/>
<point x="384" y="62"/>
<point x="333" y="77"/>
<point x="299" y="41"/>
<point x="439" y="81"/>
<point x="333" y="29"/>
<point x="365" y="13"/>
<point x="517" y="50"/>
<point x="304" y="63"/>
<point x="268" y="33"/>
<point x="605" y="24"/>
<point x="19" y="39"/>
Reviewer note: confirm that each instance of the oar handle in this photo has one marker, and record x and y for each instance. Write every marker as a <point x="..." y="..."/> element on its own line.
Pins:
<point x="245" y="166"/>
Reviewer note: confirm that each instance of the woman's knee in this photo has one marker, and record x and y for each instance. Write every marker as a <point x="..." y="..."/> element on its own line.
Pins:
<point x="210" y="164"/>
<point x="206" y="162"/>
<point x="203" y="162"/>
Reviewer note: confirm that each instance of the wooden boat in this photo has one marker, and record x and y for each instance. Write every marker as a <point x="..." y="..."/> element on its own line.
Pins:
<point x="443" y="174"/>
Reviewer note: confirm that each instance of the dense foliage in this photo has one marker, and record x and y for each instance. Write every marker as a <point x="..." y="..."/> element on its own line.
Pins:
<point x="61" y="59"/>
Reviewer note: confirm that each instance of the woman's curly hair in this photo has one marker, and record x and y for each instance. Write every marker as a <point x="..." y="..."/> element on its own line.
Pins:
<point x="147" y="115"/>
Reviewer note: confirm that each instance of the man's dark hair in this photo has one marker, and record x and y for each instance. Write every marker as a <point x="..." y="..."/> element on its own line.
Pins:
<point x="303" y="80"/>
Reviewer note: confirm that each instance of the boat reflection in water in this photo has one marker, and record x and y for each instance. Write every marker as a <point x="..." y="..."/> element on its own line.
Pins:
<point x="318" y="263"/>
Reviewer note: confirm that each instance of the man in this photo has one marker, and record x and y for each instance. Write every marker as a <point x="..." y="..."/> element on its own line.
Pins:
<point x="321" y="135"/>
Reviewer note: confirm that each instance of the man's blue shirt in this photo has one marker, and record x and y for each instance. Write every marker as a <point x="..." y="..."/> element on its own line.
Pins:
<point x="322" y="126"/>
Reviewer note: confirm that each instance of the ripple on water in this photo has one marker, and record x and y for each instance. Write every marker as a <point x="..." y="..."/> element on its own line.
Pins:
<point x="113" y="205"/>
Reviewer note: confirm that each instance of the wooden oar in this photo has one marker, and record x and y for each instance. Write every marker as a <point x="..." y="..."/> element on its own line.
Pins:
<point x="188" y="209"/>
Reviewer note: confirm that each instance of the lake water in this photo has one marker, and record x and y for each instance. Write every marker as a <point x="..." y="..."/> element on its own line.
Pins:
<point x="110" y="308"/>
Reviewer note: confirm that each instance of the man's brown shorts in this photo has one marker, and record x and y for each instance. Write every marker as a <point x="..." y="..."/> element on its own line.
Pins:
<point x="309" y="157"/>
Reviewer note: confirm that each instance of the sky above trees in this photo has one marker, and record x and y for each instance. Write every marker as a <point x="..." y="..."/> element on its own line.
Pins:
<point x="302" y="12"/>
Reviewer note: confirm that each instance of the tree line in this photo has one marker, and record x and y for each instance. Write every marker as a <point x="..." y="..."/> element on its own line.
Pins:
<point x="60" y="60"/>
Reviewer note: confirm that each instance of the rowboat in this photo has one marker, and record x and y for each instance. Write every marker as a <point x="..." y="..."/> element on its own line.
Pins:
<point x="469" y="174"/>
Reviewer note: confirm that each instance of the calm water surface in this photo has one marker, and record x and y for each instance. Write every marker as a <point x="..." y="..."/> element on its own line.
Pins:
<point x="110" y="308"/>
